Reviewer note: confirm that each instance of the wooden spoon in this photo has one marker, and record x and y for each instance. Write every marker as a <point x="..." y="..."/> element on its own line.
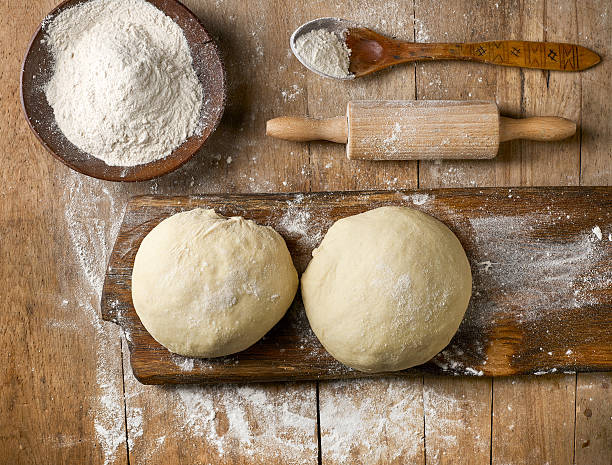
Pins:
<point x="371" y="51"/>
<point x="36" y="72"/>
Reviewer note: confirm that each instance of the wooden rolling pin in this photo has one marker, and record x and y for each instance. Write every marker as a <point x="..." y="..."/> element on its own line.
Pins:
<point x="420" y="129"/>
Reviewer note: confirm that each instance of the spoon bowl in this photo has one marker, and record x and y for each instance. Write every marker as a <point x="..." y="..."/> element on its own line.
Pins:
<point x="37" y="69"/>
<point x="337" y="26"/>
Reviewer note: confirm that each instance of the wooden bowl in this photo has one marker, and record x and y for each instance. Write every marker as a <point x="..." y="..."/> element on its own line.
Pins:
<point x="37" y="69"/>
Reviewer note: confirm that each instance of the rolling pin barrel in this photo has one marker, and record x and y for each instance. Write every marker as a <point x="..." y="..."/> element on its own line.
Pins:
<point x="422" y="129"/>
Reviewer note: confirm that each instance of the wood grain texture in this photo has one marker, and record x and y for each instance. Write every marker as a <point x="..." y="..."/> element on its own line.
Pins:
<point x="467" y="81"/>
<point x="533" y="420"/>
<point x="239" y="424"/>
<point x="52" y="411"/>
<point x="61" y="397"/>
<point x="466" y="421"/>
<point x="508" y="85"/>
<point x="514" y="324"/>
<point x="418" y="130"/>
<point x="593" y="433"/>
<point x="457" y="420"/>
<point x="548" y="93"/>
<point x="372" y="421"/>
<point x="549" y="430"/>
<point x="595" y="29"/>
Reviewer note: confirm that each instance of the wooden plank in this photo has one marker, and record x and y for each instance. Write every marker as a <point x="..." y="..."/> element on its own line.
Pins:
<point x="593" y="437"/>
<point x="593" y="430"/>
<point x="372" y="421"/>
<point x="235" y="424"/>
<point x="61" y="371"/>
<point x="57" y="433"/>
<point x="551" y="93"/>
<point x="457" y="419"/>
<point x="458" y="411"/>
<point x="533" y="420"/>
<point x="515" y="323"/>
<point x="595" y="30"/>
<point x="540" y="433"/>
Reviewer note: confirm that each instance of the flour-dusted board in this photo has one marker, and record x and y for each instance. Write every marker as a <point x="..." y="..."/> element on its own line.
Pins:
<point x="542" y="293"/>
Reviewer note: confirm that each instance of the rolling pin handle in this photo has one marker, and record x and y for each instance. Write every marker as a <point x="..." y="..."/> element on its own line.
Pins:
<point x="301" y="129"/>
<point x="542" y="128"/>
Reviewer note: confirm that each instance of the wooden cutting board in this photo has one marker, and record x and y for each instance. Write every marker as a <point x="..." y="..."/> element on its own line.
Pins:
<point x="542" y="294"/>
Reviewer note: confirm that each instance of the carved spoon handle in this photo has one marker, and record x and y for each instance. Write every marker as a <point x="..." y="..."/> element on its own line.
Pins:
<point x="542" y="55"/>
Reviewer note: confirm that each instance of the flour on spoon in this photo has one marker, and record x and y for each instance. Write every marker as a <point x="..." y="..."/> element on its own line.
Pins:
<point x="325" y="52"/>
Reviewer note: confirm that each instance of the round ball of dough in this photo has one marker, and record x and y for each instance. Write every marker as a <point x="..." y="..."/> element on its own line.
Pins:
<point x="205" y="286"/>
<point x="387" y="289"/>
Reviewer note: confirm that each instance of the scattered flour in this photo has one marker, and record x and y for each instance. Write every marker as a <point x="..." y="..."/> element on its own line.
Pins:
<point x="473" y="371"/>
<point x="570" y="269"/>
<point x="389" y="143"/>
<point x="91" y="240"/>
<point x="486" y="265"/>
<point x="184" y="363"/>
<point x="418" y="199"/>
<point x="372" y="421"/>
<point x="297" y="221"/>
<point x="597" y="232"/>
<point x="449" y="360"/>
<point x="292" y="93"/>
<point x="255" y="421"/>
<point x="421" y="32"/>
<point x="123" y="89"/>
<point x="324" y="52"/>
<point x="134" y="424"/>
<point x="449" y="419"/>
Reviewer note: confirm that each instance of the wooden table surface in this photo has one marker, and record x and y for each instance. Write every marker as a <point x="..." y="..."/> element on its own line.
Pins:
<point x="68" y="395"/>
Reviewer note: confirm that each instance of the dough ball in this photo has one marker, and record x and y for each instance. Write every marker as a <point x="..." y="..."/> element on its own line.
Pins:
<point x="387" y="289"/>
<point x="205" y="286"/>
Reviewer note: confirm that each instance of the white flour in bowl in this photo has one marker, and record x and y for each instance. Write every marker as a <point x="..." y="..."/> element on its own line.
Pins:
<point x="123" y="89"/>
<point x="324" y="51"/>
